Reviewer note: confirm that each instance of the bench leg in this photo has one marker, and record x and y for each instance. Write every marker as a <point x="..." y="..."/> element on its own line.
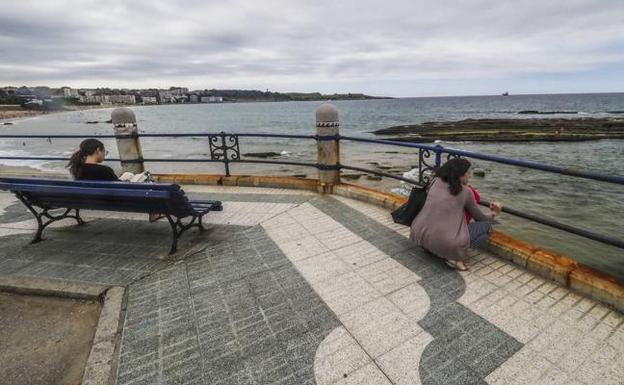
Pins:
<point x="78" y="218"/>
<point x="200" y="223"/>
<point x="177" y="227"/>
<point x="44" y="218"/>
<point x="176" y="234"/>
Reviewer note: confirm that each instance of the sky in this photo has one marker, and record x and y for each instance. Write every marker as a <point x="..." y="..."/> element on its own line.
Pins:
<point x="392" y="47"/>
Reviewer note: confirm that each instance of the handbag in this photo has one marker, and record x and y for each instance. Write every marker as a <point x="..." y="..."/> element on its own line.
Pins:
<point x="405" y="214"/>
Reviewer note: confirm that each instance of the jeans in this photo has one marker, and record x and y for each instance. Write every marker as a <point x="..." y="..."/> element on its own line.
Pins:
<point x="479" y="233"/>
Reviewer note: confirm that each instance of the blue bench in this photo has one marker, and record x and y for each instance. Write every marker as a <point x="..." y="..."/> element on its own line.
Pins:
<point x="41" y="196"/>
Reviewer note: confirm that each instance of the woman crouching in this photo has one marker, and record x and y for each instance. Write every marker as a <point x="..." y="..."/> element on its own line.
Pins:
<point x="441" y="226"/>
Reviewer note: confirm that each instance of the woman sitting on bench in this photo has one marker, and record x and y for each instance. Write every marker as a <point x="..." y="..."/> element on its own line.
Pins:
<point x="85" y="164"/>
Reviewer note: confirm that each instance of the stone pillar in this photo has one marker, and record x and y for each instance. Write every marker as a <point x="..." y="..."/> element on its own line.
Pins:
<point x="327" y="124"/>
<point x="124" y="123"/>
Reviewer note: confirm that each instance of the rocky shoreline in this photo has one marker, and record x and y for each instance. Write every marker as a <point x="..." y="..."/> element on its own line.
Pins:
<point x="509" y="130"/>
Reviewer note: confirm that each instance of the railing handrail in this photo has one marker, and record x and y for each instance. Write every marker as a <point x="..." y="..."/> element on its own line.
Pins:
<point x="147" y="135"/>
<point x="617" y="179"/>
<point x="436" y="150"/>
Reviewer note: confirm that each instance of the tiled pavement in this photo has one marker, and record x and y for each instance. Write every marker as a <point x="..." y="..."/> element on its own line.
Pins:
<point x="291" y="287"/>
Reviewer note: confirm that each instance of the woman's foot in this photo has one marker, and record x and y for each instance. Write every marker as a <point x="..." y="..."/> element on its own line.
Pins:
<point x="457" y="265"/>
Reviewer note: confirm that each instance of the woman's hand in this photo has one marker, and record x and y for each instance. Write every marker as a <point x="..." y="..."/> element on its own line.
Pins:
<point x="496" y="207"/>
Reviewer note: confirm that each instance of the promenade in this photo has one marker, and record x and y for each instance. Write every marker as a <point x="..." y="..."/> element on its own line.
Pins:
<point x="293" y="287"/>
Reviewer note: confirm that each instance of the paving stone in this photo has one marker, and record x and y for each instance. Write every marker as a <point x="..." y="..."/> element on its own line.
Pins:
<point x="338" y="356"/>
<point x="401" y="364"/>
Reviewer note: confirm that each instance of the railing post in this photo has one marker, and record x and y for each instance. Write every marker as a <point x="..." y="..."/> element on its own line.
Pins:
<point x="438" y="157"/>
<point x="328" y="150"/>
<point x="225" y="154"/>
<point x="129" y="146"/>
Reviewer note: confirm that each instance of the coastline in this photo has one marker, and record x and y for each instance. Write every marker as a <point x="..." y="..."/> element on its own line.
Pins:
<point x="8" y="115"/>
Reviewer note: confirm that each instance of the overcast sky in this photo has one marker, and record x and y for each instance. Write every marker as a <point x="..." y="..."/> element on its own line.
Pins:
<point x="395" y="48"/>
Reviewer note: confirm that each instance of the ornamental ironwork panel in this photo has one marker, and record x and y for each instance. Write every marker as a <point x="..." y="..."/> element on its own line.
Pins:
<point x="224" y="148"/>
<point x="429" y="162"/>
<point x="426" y="166"/>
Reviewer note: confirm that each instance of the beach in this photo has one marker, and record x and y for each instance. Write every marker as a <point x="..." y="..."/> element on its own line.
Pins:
<point x="10" y="112"/>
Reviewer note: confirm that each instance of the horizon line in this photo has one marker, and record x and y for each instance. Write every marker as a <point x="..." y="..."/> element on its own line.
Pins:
<point x="331" y="93"/>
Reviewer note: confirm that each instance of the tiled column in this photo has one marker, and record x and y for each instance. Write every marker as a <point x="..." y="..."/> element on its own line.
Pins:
<point x="327" y="124"/>
<point x="129" y="147"/>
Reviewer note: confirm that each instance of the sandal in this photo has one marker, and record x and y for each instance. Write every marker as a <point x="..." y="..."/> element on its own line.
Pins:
<point x="455" y="265"/>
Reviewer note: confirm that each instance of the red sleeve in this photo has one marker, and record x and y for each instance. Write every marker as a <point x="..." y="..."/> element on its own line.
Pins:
<point x="476" y="194"/>
<point x="477" y="198"/>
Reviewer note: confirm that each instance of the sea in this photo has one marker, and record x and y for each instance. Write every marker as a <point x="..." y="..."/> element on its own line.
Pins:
<point x="591" y="205"/>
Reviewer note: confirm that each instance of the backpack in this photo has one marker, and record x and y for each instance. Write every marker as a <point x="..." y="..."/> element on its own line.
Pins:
<point x="405" y="214"/>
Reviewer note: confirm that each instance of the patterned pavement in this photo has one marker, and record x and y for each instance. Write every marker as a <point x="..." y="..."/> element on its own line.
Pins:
<point x="290" y="287"/>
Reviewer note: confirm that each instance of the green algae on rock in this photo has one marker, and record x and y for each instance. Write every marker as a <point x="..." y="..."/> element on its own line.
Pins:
<point x="509" y="130"/>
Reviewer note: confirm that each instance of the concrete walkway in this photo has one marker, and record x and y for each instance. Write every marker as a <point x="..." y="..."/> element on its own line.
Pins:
<point x="290" y="287"/>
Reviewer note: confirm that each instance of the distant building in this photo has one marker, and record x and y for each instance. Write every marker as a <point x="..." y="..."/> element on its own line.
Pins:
<point x="122" y="99"/>
<point x="94" y="99"/>
<point x="165" y="97"/>
<point x="42" y="92"/>
<point x="178" y="91"/>
<point x="194" y="98"/>
<point x="69" y="92"/>
<point x="149" y="100"/>
<point x="23" y="91"/>
<point x="212" y="99"/>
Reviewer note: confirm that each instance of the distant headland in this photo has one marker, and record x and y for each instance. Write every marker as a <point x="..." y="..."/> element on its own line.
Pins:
<point x="55" y="97"/>
<point x="17" y="102"/>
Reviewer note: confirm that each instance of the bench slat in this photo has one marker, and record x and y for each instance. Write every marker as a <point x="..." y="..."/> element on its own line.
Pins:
<point x="91" y="183"/>
<point x="84" y="191"/>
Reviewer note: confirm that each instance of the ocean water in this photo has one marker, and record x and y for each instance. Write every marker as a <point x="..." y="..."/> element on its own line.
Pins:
<point x="595" y="206"/>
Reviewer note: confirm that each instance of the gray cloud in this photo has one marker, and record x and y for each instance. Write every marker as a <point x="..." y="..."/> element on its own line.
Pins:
<point x="291" y="45"/>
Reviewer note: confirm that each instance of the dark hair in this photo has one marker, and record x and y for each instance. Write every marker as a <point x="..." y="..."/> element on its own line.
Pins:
<point x="451" y="171"/>
<point x="77" y="160"/>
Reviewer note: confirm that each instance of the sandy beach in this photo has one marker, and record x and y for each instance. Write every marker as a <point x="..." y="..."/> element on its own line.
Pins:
<point x="17" y="112"/>
<point x="14" y="112"/>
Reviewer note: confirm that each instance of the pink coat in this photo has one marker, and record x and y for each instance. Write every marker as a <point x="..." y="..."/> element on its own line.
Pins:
<point x="441" y="226"/>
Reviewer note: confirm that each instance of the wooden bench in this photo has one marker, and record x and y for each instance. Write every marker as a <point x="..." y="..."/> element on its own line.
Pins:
<point x="41" y="196"/>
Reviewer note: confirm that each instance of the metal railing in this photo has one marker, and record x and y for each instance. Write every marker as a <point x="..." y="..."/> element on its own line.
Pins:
<point x="224" y="148"/>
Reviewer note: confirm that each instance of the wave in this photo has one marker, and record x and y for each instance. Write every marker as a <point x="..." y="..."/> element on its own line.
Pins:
<point x="405" y="188"/>
<point x="42" y="165"/>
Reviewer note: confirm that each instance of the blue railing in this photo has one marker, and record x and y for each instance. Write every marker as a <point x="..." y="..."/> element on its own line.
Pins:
<point x="224" y="148"/>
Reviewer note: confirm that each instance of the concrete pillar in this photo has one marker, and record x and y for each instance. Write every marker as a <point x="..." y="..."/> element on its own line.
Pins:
<point x="327" y="124"/>
<point x="124" y="123"/>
